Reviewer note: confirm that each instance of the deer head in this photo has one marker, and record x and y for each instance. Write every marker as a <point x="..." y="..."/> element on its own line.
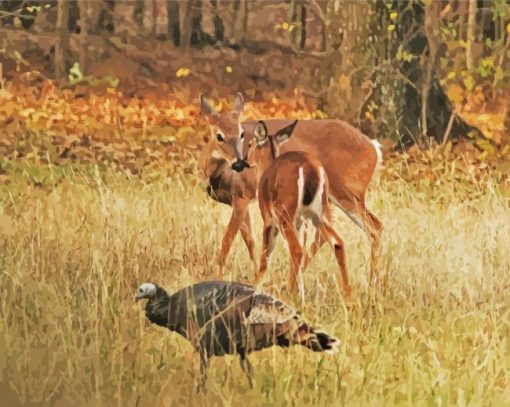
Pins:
<point x="262" y="136"/>
<point x="227" y="130"/>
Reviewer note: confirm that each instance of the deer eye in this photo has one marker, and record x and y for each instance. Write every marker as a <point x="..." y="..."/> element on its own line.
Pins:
<point x="242" y="135"/>
<point x="220" y="138"/>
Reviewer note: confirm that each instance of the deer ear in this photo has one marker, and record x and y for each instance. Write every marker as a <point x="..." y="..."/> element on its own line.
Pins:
<point x="205" y="106"/>
<point x="239" y="103"/>
<point x="284" y="134"/>
<point x="260" y="132"/>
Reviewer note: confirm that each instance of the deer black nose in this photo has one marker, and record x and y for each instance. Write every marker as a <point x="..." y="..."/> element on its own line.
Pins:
<point x="239" y="165"/>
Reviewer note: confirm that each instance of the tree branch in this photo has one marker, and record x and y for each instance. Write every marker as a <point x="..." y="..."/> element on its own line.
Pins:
<point x="448" y="130"/>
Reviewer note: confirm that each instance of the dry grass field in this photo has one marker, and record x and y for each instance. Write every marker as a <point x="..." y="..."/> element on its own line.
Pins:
<point x="76" y="242"/>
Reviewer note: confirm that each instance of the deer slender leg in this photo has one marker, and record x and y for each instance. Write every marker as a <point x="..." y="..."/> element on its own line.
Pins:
<point x="372" y="226"/>
<point x="339" y="247"/>
<point x="296" y="254"/>
<point x="316" y="246"/>
<point x="268" y="240"/>
<point x="301" y="228"/>
<point x="240" y="207"/>
<point x="228" y="237"/>
<point x="247" y="234"/>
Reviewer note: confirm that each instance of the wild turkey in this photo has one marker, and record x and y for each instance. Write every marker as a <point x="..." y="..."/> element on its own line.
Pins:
<point x="221" y="317"/>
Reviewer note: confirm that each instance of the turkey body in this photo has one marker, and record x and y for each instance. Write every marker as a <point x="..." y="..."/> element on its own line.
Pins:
<point x="222" y="317"/>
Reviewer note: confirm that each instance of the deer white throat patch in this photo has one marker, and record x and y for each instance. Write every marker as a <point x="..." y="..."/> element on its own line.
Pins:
<point x="240" y="144"/>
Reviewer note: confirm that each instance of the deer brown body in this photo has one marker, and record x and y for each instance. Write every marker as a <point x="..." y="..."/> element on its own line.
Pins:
<point x="294" y="188"/>
<point x="349" y="159"/>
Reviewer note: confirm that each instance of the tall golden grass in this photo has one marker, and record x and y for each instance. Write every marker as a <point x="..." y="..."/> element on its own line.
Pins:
<point x="75" y="245"/>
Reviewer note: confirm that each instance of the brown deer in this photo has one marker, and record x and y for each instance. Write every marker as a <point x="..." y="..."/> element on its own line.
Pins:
<point x="293" y="188"/>
<point x="233" y="188"/>
<point x="348" y="156"/>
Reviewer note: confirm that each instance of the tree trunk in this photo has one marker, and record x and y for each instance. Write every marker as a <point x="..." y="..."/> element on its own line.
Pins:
<point x="298" y="19"/>
<point x="245" y="19"/>
<point x="191" y="27"/>
<point x="293" y="21"/>
<point x="186" y="26"/>
<point x="139" y="11"/>
<point x="235" y="34"/>
<point x="303" y="27"/>
<point x="84" y="27"/>
<point x="488" y="20"/>
<point x="422" y="112"/>
<point x="432" y="20"/>
<point x="463" y="11"/>
<point x="298" y="34"/>
<point x="100" y="15"/>
<point x="154" y="18"/>
<point x="471" y="33"/>
<point x="347" y="49"/>
<point x="219" y="27"/>
<point x="62" y="46"/>
<point x="174" y="30"/>
<point x="106" y="9"/>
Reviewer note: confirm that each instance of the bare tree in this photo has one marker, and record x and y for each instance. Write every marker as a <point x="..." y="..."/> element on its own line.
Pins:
<point x="138" y="11"/>
<point x="462" y="11"/>
<point x="423" y="106"/>
<point x="298" y="19"/>
<point x="84" y="27"/>
<point x="431" y="25"/>
<point x="191" y="25"/>
<point x="219" y="27"/>
<point x="62" y="46"/>
<point x="154" y="17"/>
<point x="186" y="30"/>
<point x="174" y="30"/>
<point x="471" y="27"/>
<point x="236" y="5"/>
<point x="302" y="40"/>
<point x="245" y="18"/>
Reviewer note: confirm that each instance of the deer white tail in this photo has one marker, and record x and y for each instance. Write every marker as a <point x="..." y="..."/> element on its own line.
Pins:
<point x="378" y="151"/>
<point x="301" y="188"/>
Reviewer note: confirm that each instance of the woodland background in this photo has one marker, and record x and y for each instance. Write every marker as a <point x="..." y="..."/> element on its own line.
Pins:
<point x="87" y="78"/>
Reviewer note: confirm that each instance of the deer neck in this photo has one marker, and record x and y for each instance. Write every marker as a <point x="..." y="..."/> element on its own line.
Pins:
<point x="273" y="148"/>
<point x="266" y="155"/>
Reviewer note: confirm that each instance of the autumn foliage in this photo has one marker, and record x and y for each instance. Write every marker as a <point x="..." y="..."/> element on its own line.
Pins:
<point x="53" y="125"/>
<point x="48" y="124"/>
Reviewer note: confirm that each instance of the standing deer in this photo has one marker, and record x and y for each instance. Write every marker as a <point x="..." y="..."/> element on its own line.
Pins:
<point x="293" y="188"/>
<point x="348" y="156"/>
<point x="233" y="188"/>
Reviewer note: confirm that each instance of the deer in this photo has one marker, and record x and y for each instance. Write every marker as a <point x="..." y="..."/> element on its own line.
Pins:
<point x="349" y="159"/>
<point x="293" y="188"/>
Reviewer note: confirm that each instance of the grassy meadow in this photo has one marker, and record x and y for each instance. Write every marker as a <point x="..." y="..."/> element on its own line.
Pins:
<point x="75" y="243"/>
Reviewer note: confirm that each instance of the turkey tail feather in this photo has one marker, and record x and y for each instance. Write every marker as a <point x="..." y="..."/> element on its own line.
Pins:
<point x="328" y="343"/>
<point x="315" y="340"/>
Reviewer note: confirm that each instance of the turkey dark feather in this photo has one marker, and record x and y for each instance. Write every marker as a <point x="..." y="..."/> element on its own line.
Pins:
<point x="221" y="317"/>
